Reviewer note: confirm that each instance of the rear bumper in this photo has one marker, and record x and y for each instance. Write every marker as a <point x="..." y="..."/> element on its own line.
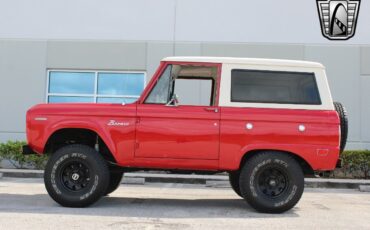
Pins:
<point x="27" y="150"/>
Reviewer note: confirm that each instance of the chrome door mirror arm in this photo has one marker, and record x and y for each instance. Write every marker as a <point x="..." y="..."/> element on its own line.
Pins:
<point x="174" y="101"/>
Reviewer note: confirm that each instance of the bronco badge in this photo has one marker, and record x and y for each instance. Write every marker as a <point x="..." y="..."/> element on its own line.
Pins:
<point x="338" y="18"/>
<point x="116" y="123"/>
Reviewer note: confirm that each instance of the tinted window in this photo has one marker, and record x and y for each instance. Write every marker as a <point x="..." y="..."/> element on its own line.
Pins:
<point x="274" y="87"/>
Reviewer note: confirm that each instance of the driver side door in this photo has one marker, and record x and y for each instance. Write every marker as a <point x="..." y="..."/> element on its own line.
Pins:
<point x="188" y="130"/>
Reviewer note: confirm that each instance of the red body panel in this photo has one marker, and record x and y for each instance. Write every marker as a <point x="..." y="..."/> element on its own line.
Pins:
<point x="179" y="132"/>
<point x="277" y="129"/>
<point x="192" y="137"/>
<point x="94" y="117"/>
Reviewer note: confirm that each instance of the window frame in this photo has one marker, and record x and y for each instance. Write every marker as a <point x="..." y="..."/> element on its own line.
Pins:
<point x="275" y="102"/>
<point x="162" y="67"/>
<point x="155" y="84"/>
<point x="212" y="99"/>
<point x="95" y="95"/>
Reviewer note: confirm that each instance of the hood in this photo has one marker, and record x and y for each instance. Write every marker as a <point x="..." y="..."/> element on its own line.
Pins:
<point x="79" y="109"/>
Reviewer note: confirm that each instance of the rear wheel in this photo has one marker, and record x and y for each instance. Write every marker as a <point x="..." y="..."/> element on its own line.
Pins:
<point x="76" y="176"/>
<point x="271" y="182"/>
<point x="114" y="182"/>
<point x="234" y="182"/>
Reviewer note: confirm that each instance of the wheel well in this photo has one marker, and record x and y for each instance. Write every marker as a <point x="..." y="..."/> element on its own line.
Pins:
<point x="63" y="137"/>
<point x="307" y="169"/>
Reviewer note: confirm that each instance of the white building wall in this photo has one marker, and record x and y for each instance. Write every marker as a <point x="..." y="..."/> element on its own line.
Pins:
<point x="268" y="21"/>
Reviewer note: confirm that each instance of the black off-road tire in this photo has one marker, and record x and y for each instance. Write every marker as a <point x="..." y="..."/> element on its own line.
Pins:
<point x="343" y="124"/>
<point x="114" y="182"/>
<point x="234" y="182"/>
<point x="76" y="176"/>
<point x="271" y="182"/>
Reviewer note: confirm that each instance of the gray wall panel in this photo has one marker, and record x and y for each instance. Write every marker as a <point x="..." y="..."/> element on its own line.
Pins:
<point x="156" y="51"/>
<point x="357" y="145"/>
<point x="253" y="50"/>
<point x="365" y="108"/>
<point x="7" y="136"/>
<point x="343" y="70"/>
<point x="22" y="81"/>
<point x="188" y="49"/>
<point x="365" y="60"/>
<point x="97" y="55"/>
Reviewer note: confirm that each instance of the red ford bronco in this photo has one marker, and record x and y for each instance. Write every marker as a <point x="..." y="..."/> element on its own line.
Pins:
<point x="265" y="122"/>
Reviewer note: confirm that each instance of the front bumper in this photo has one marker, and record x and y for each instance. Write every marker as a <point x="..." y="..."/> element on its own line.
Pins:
<point x="27" y="150"/>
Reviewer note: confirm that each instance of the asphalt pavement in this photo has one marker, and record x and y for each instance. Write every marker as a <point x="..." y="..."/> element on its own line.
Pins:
<point x="153" y="177"/>
<point x="24" y="204"/>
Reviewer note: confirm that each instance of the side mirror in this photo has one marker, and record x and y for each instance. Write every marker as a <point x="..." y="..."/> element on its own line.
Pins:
<point x="174" y="101"/>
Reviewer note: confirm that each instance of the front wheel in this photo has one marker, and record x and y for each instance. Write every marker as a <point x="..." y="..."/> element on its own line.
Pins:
<point x="271" y="182"/>
<point x="114" y="182"/>
<point x="76" y="176"/>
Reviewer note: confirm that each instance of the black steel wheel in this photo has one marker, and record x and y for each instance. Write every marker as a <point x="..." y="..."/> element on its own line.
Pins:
<point x="76" y="176"/>
<point x="271" y="182"/>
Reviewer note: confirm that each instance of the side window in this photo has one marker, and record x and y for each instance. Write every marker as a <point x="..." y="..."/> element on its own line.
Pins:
<point x="193" y="85"/>
<point x="160" y="94"/>
<point x="194" y="91"/>
<point x="274" y="87"/>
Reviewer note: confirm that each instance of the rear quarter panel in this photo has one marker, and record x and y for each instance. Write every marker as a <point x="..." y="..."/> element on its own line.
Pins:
<point x="277" y="129"/>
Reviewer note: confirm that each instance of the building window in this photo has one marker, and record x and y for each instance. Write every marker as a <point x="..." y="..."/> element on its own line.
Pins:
<point x="94" y="86"/>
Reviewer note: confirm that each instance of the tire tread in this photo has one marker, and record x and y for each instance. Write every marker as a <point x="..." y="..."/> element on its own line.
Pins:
<point x="101" y="167"/>
<point x="256" y="159"/>
<point x="341" y="110"/>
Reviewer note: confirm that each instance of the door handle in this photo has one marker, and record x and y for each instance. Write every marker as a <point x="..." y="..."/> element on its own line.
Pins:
<point x="212" y="109"/>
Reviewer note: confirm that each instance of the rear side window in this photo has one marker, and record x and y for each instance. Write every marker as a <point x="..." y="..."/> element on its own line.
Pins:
<point x="257" y="86"/>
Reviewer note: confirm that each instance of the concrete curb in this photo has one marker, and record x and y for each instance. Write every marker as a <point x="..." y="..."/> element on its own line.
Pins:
<point x="22" y="173"/>
<point x="364" y="188"/>
<point x="208" y="180"/>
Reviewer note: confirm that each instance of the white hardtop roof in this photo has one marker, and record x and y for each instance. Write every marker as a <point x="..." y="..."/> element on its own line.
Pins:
<point x="251" y="61"/>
